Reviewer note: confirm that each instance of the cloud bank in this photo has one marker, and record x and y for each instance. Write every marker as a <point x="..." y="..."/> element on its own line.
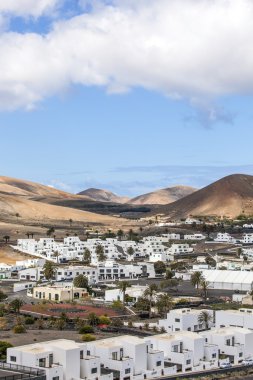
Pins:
<point x="181" y="48"/>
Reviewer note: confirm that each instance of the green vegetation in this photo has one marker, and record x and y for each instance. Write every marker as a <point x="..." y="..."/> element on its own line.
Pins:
<point x="19" y="329"/>
<point x="88" y="338"/>
<point x="3" y="349"/>
<point x="86" y="329"/>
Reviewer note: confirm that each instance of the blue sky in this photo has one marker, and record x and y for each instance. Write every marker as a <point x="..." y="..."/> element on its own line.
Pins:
<point x="97" y="122"/>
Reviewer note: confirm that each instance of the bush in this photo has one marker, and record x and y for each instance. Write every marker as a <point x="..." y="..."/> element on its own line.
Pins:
<point x="19" y="329"/>
<point x="3" y="348"/>
<point x="88" y="338"/>
<point x="29" y="320"/>
<point x="103" y="320"/>
<point x="86" y="329"/>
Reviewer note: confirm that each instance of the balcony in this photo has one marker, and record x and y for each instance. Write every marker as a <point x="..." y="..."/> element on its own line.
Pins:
<point x="19" y="372"/>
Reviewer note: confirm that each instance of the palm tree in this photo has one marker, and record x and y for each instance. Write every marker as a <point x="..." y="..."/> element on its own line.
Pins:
<point x="6" y="238"/>
<point x="196" y="279"/>
<point x="70" y="222"/>
<point x="164" y="303"/>
<point x="120" y="234"/>
<point x="123" y="285"/>
<point x="204" y="287"/>
<point x="205" y="318"/>
<point x="56" y="254"/>
<point x="87" y="256"/>
<point x="149" y="294"/>
<point x="17" y="215"/>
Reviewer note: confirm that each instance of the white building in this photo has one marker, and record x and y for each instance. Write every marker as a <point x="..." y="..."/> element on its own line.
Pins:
<point x="229" y="279"/>
<point x="135" y="292"/>
<point x="194" y="237"/>
<point x="235" y="342"/>
<point x="187" y="350"/>
<point x="224" y="237"/>
<point x="185" y="320"/>
<point x="234" y="318"/>
<point x="247" y="239"/>
<point x="111" y="270"/>
<point x="61" y="359"/>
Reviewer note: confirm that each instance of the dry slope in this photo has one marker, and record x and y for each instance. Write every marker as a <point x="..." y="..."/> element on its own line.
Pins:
<point x="229" y="196"/>
<point x="163" y="196"/>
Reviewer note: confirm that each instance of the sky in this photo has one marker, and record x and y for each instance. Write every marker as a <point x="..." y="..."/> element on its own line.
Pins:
<point x="126" y="95"/>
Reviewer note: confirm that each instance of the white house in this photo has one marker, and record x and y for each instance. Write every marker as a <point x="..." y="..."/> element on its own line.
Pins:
<point x="247" y="239"/>
<point x="234" y="318"/>
<point x="185" y="320"/>
<point x="187" y="350"/>
<point x="135" y="292"/>
<point x="194" y="237"/>
<point x="61" y="359"/>
<point x="229" y="279"/>
<point x="235" y="342"/>
<point x="224" y="237"/>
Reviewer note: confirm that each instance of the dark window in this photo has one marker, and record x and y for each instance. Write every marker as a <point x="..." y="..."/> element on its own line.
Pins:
<point x="13" y="359"/>
<point x="56" y="378"/>
<point x="94" y="370"/>
<point x="127" y="370"/>
<point x="159" y="363"/>
<point x="188" y="361"/>
<point x="177" y="320"/>
<point x="214" y="355"/>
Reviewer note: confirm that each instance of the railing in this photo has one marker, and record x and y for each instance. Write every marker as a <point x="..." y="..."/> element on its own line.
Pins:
<point x="21" y="372"/>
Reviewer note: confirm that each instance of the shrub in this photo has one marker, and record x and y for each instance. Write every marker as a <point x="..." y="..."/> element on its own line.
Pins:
<point x="103" y="320"/>
<point x="29" y="320"/>
<point x="88" y="338"/>
<point x="19" y="329"/>
<point x="3" y="348"/>
<point x="86" y="329"/>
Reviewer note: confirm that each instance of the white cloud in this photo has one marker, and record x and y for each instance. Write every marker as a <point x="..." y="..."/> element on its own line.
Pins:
<point x="181" y="48"/>
<point x="24" y="8"/>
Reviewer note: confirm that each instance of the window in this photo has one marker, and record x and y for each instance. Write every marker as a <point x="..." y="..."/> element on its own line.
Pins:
<point x="13" y="359"/>
<point x="188" y="361"/>
<point x="81" y="354"/>
<point x="127" y="370"/>
<point x="94" y="370"/>
<point x="240" y="354"/>
<point x="159" y="363"/>
<point x="214" y="355"/>
<point x="42" y="362"/>
<point x="228" y="342"/>
<point x="177" y="319"/>
<point x="88" y="353"/>
<point x="56" y="378"/>
<point x="114" y="355"/>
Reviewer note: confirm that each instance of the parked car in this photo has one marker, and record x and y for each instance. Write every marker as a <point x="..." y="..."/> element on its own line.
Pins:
<point x="248" y="362"/>
<point x="225" y="365"/>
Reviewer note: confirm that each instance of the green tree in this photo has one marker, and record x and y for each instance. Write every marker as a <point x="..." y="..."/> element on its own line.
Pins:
<point x="164" y="303"/>
<point x="87" y="256"/>
<point x="3" y="296"/>
<point x="6" y="238"/>
<point x="81" y="281"/>
<point x="49" y="270"/>
<point x="56" y="254"/>
<point x="16" y="304"/>
<point x="100" y="253"/>
<point x="50" y="231"/>
<point x="149" y="294"/>
<point x="160" y="267"/>
<point x="205" y="318"/>
<point x="93" y="319"/>
<point x="3" y="348"/>
<point x="130" y="251"/>
<point x="196" y="279"/>
<point x="120" y="234"/>
<point x="204" y="287"/>
<point x="70" y="222"/>
<point x="123" y="285"/>
<point x="142" y="304"/>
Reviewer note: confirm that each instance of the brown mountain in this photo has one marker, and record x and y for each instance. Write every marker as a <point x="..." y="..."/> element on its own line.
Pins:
<point x="229" y="196"/>
<point x="163" y="196"/>
<point x="31" y="190"/>
<point x="101" y="195"/>
<point x="28" y="202"/>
